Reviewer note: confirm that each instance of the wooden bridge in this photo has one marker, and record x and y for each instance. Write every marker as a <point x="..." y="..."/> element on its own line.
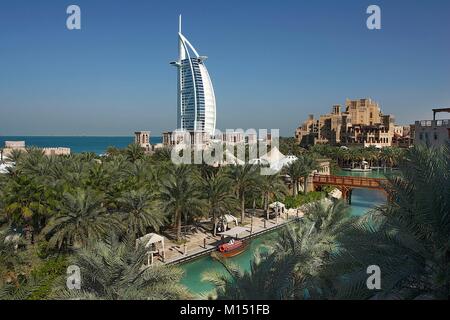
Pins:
<point x="346" y="183"/>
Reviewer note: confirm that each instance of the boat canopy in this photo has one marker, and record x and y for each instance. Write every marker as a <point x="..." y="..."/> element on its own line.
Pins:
<point x="234" y="231"/>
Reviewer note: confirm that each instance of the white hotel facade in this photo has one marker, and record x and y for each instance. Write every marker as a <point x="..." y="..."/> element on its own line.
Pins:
<point x="196" y="100"/>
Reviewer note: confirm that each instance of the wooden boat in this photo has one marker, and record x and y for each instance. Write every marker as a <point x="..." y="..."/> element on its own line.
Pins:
<point x="232" y="249"/>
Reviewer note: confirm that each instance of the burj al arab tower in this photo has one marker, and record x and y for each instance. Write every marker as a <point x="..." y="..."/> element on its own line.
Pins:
<point x="196" y="100"/>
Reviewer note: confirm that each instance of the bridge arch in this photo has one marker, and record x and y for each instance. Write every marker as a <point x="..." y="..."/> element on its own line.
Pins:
<point x="346" y="184"/>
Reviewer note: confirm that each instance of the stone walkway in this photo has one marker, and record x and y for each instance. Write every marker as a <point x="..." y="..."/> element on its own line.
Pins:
<point x="201" y="242"/>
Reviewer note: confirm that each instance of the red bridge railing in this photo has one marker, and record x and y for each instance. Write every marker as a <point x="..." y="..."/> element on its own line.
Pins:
<point x="352" y="182"/>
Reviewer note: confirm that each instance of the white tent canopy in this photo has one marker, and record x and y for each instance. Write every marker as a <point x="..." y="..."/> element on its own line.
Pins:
<point x="148" y="240"/>
<point x="259" y="161"/>
<point x="234" y="231"/>
<point x="277" y="204"/>
<point x="277" y="160"/>
<point x="274" y="155"/>
<point x="278" y="207"/>
<point x="230" y="218"/>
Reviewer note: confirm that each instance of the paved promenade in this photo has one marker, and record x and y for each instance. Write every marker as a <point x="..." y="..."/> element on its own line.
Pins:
<point x="202" y="242"/>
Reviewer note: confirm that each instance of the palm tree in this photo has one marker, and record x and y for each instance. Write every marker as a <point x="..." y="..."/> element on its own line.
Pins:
<point x="301" y="168"/>
<point x="113" y="270"/>
<point x="295" y="172"/>
<point x="112" y="151"/>
<point x="81" y="217"/>
<point x="27" y="203"/>
<point x="179" y="196"/>
<point x="408" y="238"/>
<point x="134" y="152"/>
<point x="309" y="164"/>
<point x="218" y="196"/>
<point x="162" y="155"/>
<point x="138" y="210"/>
<point x="15" y="155"/>
<point x="267" y="279"/>
<point x="291" y="268"/>
<point x="25" y="291"/>
<point x="243" y="178"/>
<point x="271" y="186"/>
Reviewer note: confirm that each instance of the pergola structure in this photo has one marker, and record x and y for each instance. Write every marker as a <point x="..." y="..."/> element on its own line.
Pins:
<point x="438" y="111"/>
<point x="150" y="241"/>
<point x="234" y="232"/>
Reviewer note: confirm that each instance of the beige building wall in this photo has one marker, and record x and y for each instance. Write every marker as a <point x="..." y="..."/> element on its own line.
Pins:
<point x="432" y="132"/>
<point x="142" y="138"/>
<point x="363" y="111"/>
<point x="20" y="145"/>
<point x="362" y="123"/>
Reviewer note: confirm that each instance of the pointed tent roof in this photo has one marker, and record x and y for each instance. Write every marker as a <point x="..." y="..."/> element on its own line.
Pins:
<point x="274" y="155"/>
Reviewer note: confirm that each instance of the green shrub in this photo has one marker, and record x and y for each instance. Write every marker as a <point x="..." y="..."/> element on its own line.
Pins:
<point x="301" y="199"/>
<point x="46" y="274"/>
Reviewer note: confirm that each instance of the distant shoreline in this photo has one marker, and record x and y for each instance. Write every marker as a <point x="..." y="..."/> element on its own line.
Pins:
<point x="77" y="144"/>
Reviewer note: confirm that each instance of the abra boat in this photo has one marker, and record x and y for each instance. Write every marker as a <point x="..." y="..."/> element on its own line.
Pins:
<point x="234" y="246"/>
<point x="363" y="166"/>
<point x="232" y="249"/>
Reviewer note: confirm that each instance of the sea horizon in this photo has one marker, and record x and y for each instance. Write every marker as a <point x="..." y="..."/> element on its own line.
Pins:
<point x="77" y="144"/>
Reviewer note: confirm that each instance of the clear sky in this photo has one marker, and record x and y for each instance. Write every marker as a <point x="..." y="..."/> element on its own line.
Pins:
<point x="272" y="62"/>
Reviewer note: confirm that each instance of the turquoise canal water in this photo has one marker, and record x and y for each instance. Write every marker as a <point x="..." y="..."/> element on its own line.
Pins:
<point x="78" y="144"/>
<point x="362" y="201"/>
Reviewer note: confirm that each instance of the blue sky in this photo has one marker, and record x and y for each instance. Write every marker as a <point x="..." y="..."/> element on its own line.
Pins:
<point x="272" y="62"/>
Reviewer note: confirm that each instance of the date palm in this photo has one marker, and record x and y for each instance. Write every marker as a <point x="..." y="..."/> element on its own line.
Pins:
<point x="271" y="186"/>
<point x="291" y="267"/>
<point x="243" y="178"/>
<point x="81" y="217"/>
<point x="295" y="172"/>
<point x="408" y="238"/>
<point x="15" y="155"/>
<point x="139" y="211"/>
<point x="267" y="279"/>
<point x="134" y="152"/>
<point x="113" y="270"/>
<point x="179" y="196"/>
<point x="308" y="165"/>
<point x="27" y="203"/>
<point x="218" y="195"/>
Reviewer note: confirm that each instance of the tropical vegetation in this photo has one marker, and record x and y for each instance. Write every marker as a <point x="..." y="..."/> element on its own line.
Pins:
<point x="88" y="210"/>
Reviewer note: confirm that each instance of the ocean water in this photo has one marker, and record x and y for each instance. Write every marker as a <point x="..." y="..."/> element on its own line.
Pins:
<point x="77" y="144"/>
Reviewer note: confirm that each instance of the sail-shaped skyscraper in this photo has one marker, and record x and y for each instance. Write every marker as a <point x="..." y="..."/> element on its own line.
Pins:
<point x="196" y="101"/>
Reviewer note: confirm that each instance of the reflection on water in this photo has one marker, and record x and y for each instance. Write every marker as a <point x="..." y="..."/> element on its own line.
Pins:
<point x="362" y="201"/>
